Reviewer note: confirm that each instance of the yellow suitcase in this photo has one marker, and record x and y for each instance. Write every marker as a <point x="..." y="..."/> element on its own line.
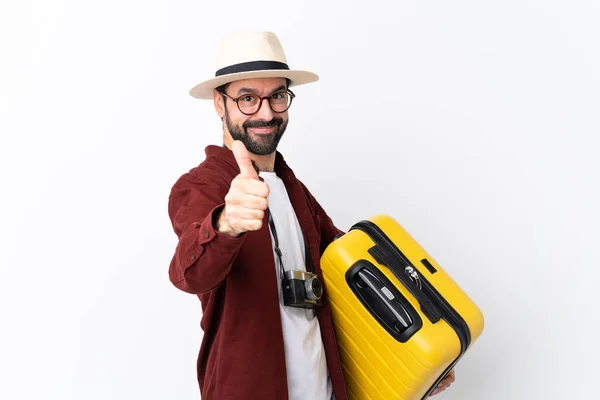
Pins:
<point x="402" y="323"/>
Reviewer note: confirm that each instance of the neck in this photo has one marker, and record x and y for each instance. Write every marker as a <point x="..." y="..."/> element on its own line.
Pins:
<point x="264" y="163"/>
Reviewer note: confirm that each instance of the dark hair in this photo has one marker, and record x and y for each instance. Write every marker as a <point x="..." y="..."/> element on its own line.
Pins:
<point x="223" y="88"/>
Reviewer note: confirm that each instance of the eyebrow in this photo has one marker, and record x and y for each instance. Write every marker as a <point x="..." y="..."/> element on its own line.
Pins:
<point x="254" y="91"/>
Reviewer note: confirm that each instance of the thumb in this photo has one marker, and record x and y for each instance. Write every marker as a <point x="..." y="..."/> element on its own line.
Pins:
<point x="243" y="159"/>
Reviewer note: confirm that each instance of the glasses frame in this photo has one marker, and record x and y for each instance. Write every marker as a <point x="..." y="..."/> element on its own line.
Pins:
<point x="235" y="100"/>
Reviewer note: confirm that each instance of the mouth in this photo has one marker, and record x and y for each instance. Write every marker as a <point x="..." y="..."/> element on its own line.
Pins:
<point x="263" y="131"/>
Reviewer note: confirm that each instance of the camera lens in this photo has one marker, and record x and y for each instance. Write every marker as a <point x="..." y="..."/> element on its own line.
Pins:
<point x="314" y="289"/>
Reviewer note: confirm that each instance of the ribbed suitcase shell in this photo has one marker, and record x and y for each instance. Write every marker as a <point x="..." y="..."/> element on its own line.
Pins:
<point x="376" y="365"/>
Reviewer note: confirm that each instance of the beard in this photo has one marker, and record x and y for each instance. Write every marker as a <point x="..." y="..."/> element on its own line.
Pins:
<point x="261" y="145"/>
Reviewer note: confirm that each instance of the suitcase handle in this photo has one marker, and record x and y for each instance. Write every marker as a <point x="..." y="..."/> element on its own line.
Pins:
<point x="402" y="319"/>
<point x="383" y="301"/>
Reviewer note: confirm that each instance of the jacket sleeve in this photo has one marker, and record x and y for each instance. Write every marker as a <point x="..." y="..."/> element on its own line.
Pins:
<point x="203" y="256"/>
<point x="328" y="229"/>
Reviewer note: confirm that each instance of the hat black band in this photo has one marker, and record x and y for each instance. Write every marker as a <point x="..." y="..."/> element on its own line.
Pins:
<point x="251" y="66"/>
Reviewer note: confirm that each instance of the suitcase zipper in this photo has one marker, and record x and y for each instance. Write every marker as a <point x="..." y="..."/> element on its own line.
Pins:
<point x="433" y="304"/>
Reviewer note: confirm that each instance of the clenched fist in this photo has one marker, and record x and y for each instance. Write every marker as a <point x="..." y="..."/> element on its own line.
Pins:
<point x="246" y="201"/>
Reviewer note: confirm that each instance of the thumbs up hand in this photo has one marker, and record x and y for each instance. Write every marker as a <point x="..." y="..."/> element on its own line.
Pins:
<point x="243" y="160"/>
<point x="246" y="201"/>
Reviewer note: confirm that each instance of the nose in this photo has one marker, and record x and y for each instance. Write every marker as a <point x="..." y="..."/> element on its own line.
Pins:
<point x="265" y="113"/>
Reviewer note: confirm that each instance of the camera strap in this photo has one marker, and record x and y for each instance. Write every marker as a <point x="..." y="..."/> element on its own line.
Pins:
<point x="278" y="250"/>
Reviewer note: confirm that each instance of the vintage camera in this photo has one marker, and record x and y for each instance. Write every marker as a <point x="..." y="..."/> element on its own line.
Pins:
<point x="301" y="289"/>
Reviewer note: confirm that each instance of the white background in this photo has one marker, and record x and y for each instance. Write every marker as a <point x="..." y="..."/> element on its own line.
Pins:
<point x="474" y="124"/>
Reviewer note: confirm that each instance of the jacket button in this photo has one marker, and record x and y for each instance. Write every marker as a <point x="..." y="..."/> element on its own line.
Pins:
<point x="193" y="257"/>
<point x="206" y="234"/>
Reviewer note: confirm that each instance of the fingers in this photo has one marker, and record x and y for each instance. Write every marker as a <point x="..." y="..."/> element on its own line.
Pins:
<point x="248" y="201"/>
<point x="241" y="219"/>
<point x="243" y="160"/>
<point x="245" y="185"/>
<point x="241" y="213"/>
<point x="439" y="389"/>
<point x="451" y="377"/>
<point x="444" y="384"/>
<point x="244" y="225"/>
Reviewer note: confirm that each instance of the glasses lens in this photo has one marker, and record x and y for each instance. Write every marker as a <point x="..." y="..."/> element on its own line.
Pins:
<point x="280" y="101"/>
<point x="248" y="103"/>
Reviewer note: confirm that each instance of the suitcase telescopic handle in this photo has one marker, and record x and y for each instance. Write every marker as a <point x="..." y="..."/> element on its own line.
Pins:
<point x="385" y="300"/>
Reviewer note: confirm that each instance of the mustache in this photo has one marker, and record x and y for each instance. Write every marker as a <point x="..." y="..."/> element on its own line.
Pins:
<point x="276" y="121"/>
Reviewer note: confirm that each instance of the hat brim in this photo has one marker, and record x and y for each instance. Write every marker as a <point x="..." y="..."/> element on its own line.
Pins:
<point x="205" y="89"/>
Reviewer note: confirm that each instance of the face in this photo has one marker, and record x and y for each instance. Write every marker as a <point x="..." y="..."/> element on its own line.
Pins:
<point x="262" y="131"/>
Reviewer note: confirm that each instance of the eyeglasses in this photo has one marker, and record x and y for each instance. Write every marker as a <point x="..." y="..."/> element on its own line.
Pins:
<point x="249" y="104"/>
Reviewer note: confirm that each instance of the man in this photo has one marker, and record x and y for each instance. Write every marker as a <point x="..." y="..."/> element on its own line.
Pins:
<point x="243" y="219"/>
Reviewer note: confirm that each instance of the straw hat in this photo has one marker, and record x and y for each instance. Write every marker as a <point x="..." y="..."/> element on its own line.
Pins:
<point x="251" y="55"/>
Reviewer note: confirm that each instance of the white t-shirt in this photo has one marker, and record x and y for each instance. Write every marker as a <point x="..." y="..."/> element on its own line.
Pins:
<point x="307" y="373"/>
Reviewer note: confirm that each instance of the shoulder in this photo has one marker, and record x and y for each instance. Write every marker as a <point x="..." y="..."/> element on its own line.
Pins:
<point x="212" y="171"/>
<point x="218" y="167"/>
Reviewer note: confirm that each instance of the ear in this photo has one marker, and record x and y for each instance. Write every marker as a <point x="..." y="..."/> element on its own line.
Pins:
<point x="219" y="103"/>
